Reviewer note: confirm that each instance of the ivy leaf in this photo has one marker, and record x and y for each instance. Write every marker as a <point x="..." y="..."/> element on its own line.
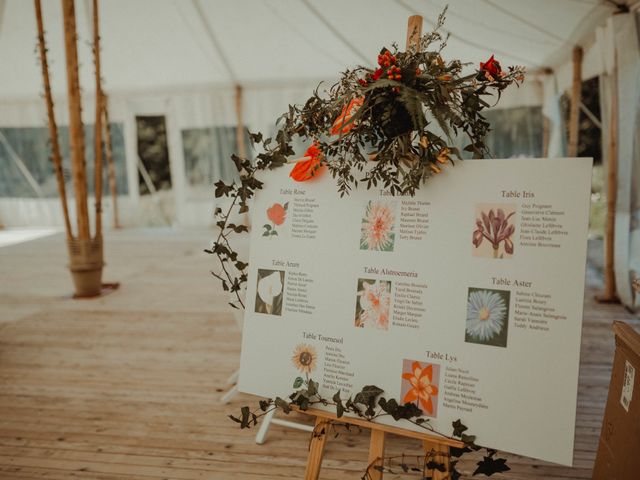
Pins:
<point x="488" y="466"/>
<point x="244" y="421"/>
<point x="431" y="465"/>
<point x="312" y="389"/>
<point x="264" y="404"/>
<point x="282" y="405"/>
<point x="298" y="382"/>
<point x="458" y="428"/>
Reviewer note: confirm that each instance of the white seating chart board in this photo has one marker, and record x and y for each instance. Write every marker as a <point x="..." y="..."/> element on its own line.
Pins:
<point x="465" y="299"/>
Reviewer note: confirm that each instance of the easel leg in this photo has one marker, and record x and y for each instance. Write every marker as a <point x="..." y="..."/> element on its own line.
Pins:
<point x="316" y="449"/>
<point x="441" y="456"/>
<point x="376" y="453"/>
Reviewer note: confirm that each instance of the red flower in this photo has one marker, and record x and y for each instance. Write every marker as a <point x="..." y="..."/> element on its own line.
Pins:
<point x="377" y="74"/>
<point x="491" y="67"/>
<point x="277" y="214"/>
<point x="342" y="124"/>
<point x="306" y="169"/>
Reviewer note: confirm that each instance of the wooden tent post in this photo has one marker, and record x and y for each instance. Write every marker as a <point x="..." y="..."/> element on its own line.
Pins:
<point x="111" y="168"/>
<point x="240" y="146"/>
<point x="76" y="133"/>
<point x="574" y="114"/>
<point x="97" y="131"/>
<point x="56" y="156"/>
<point x="609" y="295"/>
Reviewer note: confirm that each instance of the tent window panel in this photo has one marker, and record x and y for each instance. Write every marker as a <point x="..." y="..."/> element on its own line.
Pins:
<point x="32" y="148"/>
<point x="515" y="132"/>
<point x="207" y="154"/>
<point x="153" y="153"/>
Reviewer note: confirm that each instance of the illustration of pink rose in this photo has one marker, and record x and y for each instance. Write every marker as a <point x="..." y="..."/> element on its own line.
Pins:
<point x="277" y="214"/>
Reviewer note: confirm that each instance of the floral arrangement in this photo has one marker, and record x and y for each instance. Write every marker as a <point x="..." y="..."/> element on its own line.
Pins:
<point x="389" y="127"/>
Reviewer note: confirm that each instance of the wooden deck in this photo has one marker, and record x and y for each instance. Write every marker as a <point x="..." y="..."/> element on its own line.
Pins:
<point x="126" y="386"/>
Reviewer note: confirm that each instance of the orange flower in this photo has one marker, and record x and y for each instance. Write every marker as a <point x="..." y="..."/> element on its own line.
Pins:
<point x="306" y="169"/>
<point x="277" y="214"/>
<point x="443" y="155"/>
<point x="421" y="387"/>
<point x="342" y="124"/>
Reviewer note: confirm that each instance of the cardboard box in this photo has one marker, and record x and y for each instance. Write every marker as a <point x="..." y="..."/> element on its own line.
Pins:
<point x="618" y="455"/>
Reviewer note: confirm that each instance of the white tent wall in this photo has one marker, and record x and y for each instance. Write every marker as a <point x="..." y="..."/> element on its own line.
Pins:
<point x="621" y="59"/>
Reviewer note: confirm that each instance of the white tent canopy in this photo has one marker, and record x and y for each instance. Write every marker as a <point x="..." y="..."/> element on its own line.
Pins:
<point x="168" y="44"/>
<point x="182" y="59"/>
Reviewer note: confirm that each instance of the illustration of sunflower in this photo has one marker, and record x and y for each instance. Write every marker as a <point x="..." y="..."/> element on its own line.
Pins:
<point x="422" y="388"/>
<point x="377" y="227"/>
<point x="486" y="315"/>
<point x="304" y="358"/>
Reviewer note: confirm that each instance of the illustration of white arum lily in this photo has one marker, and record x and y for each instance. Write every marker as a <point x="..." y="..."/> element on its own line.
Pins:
<point x="495" y="228"/>
<point x="269" y="287"/>
<point x="486" y="313"/>
<point x="375" y="299"/>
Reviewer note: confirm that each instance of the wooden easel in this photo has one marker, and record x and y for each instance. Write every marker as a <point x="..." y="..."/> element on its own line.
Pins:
<point x="436" y="445"/>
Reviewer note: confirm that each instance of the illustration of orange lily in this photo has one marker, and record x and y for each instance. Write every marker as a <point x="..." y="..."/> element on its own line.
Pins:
<point x="421" y="387"/>
<point x="306" y="169"/>
<point x="342" y="124"/>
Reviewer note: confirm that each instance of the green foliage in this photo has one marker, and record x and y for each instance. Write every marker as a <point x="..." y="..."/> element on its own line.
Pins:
<point x="370" y="405"/>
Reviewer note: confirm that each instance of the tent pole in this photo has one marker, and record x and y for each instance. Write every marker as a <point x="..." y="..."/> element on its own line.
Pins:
<point x="111" y="168"/>
<point x="56" y="157"/>
<point x="98" y="123"/>
<point x="76" y="133"/>
<point x="240" y="146"/>
<point x="609" y="294"/>
<point x="574" y="115"/>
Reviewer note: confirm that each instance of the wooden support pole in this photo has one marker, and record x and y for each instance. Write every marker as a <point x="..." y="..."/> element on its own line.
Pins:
<point x="76" y="133"/>
<point x="376" y="453"/>
<point x="440" y="454"/>
<point x="414" y="32"/>
<point x="609" y="294"/>
<point x="574" y="113"/>
<point x="56" y="156"/>
<point x="111" y="167"/>
<point x="97" y="131"/>
<point x="316" y="449"/>
<point x="240" y="146"/>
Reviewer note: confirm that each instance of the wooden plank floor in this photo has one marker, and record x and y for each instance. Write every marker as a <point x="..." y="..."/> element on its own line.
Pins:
<point x="126" y="386"/>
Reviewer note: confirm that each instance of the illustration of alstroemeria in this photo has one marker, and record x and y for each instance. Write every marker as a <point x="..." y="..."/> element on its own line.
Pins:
<point x="277" y="214"/>
<point x="496" y="229"/>
<point x="377" y="227"/>
<point x="374" y="300"/>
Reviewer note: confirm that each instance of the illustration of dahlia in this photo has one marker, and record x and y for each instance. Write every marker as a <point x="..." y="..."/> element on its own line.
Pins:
<point x="375" y="299"/>
<point x="377" y="227"/>
<point x="486" y="314"/>
<point x="304" y="358"/>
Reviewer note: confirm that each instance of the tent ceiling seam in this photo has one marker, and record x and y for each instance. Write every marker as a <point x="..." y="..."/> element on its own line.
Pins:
<point x="494" y="28"/>
<point x="525" y="21"/>
<point x="276" y="13"/>
<point x="214" y="40"/>
<point x="336" y="32"/>
<point x="466" y="41"/>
